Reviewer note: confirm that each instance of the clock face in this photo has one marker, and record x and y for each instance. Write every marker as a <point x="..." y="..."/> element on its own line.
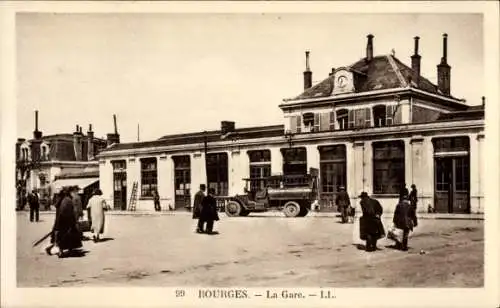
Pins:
<point x="342" y="81"/>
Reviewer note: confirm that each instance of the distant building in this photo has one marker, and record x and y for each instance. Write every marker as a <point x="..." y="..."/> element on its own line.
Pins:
<point x="370" y="126"/>
<point x="51" y="162"/>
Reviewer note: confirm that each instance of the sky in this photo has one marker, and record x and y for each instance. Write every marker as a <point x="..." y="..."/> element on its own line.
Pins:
<point x="178" y="73"/>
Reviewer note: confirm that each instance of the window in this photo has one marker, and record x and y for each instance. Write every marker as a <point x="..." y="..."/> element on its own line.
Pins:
<point x="462" y="173"/>
<point x="452" y="144"/>
<point x="44" y="152"/>
<point x="333" y="170"/>
<point x="119" y="166"/>
<point x="379" y="115"/>
<point x="360" y="118"/>
<point x="260" y="167"/>
<point x="342" y="119"/>
<point x="294" y="161"/>
<point x="388" y="167"/>
<point x="217" y="173"/>
<point x="149" y="181"/>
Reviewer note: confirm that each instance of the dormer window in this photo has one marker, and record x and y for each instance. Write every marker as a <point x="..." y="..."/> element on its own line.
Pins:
<point x="309" y="119"/>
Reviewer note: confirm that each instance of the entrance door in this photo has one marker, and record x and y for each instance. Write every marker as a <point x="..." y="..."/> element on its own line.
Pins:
<point x="182" y="182"/>
<point x="120" y="191"/>
<point x="452" y="184"/>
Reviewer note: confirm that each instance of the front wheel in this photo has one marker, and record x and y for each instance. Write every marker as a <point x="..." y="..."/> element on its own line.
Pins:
<point x="233" y="209"/>
<point x="291" y="209"/>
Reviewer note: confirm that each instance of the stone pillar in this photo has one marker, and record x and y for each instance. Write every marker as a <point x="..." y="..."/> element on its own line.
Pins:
<point x="276" y="161"/>
<point x="474" y="154"/>
<point x="166" y="188"/>
<point x="358" y="178"/>
<point x="351" y="171"/>
<point x="198" y="173"/>
<point x="238" y="165"/>
<point x="312" y="156"/>
<point x="482" y="172"/>
<point x="408" y="163"/>
<point x="426" y="189"/>
<point x="417" y="174"/>
<point x="133" y="175"/>
<point x="405" y="111"/>
<point x="106" y="181"/>
<point x="368" y="167"/>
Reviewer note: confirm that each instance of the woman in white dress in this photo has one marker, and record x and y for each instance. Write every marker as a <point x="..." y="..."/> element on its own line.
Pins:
<point x="97" y="205"/>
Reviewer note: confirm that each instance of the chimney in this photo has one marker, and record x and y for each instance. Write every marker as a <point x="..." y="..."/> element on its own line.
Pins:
<point x="332" y="72"/>
<point x="36" y="133"/>
<point x="369" y="47"/>
<point x="415" y="62"/>
<point x="227" y="127"/>
<point x="77" y="143"/>
<point x="90" y="143"/>
<point x="113" y="138"/>
<point x="483" y="99"/>
<point x="443" y="69"/>
<point x="19" y="142"/>
<point x="307" y="74"/>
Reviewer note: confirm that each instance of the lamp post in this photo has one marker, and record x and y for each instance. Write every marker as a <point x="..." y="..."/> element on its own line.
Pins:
<point x="205" y="149"/>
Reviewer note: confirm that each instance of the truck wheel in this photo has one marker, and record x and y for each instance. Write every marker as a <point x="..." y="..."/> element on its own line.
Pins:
<point x="233" y="209"/>
<point x="303" y="211"/>
<point x="291" y="209"/>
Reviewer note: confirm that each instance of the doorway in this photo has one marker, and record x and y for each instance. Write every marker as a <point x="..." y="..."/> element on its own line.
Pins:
<point x="452" y="191"/>
<point x="182" y="182"/>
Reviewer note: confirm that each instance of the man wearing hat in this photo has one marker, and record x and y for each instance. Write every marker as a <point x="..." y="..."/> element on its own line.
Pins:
<point x="404" y="219"/>
<point x="370" y="225"/>
<point x="343" y="203"/>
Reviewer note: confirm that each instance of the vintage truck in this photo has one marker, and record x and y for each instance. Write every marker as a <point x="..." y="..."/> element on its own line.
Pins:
<point x="292" y="194"/>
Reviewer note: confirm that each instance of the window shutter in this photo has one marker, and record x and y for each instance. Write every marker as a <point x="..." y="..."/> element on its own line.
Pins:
<point x="316" y="122"/>
<point x="298" y="123"/>
<point x="389" y="115"/>
<point x="368" y="117"/>
<point x="397" y="116"/>
<point x="325" y="121"/>
<point x="352" y="118"/>
<point x="293" y="124"/>
<point x="360" y="118"/>
<point x="332" y="120"/>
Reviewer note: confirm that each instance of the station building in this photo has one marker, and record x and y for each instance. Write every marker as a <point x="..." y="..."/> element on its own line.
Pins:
<point x="372" y="126"/>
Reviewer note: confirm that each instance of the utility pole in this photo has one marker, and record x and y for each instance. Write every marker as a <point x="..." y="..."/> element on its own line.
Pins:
<point x="138" y="139"/>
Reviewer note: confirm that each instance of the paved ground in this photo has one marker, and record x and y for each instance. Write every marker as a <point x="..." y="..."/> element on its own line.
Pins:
<point x="256" y="251"/>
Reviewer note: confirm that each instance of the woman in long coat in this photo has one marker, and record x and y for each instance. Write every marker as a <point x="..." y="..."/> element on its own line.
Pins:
<point x="97" y="205"/>
<point x="66" y="234"/>
<point x="209" y="210"/>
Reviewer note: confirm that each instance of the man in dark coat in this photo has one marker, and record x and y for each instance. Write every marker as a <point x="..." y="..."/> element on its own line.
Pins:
<point x="66" y="233"/>
<point x="403" y="219"/>
<point x="343" y="203"/>
<point x="371" y="228"/>
<point x="413" y="203"/>
<point x="208" y="211"/>
<point x="403" y="191"/>
<point x="34" y="202"/>
<point x="156" y="200"/>
<point x="198" y="198"/>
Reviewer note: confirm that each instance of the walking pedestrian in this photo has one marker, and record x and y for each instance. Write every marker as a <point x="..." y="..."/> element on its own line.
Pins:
<point x="343" y="203"/>
<point x="58" y="198"/>
<point x="97" y="206"/>
<point x="156" y="200"/>
<point x="198" y="198"/>
<point x="403" y="191"/>
<point x="34" y="202"/>
<point x="77" y="207"/>
<point x="403" y="220"/>
<point x="66" y="234"/>
<point x="370" y="224"/>
<point x="209" y="211"/>
<point x="413" y="202"/>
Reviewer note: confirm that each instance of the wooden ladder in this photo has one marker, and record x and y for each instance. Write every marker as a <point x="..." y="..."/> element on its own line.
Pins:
<point x="133" y="197"/>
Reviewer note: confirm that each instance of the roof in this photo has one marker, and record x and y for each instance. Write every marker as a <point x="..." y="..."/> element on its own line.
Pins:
<point x="78" y="175"/>
<point x="199" y="137"/>
<point x="382" y="72"/>
<point x="472" y="113"/>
